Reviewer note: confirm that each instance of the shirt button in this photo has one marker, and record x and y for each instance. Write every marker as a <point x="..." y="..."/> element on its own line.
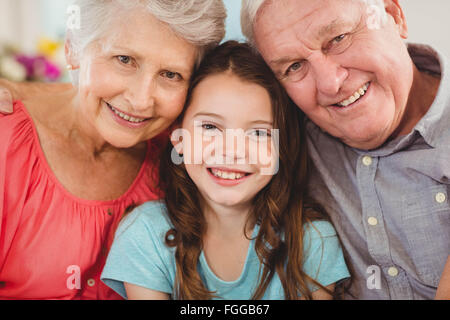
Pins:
<point x="372" y="221"/>
<point x="440" y="197"/>
<point x="367" y="161"/>
<point x="393" y="271"/>
<point x="91" y="282"/>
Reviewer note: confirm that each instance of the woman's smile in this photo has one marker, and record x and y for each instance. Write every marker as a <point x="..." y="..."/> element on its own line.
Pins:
<point x="126" y="119"/>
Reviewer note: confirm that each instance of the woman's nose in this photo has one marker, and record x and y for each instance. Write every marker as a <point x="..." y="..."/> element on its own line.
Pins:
<point x="142" y="94"/>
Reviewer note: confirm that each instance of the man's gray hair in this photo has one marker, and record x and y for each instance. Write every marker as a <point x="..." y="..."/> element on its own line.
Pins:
<point x="200" y="22"/>
<point x="250" y="9"/>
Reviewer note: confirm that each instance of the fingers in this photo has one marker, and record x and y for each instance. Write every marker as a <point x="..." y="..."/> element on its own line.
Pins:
<point x="6" y="101"/>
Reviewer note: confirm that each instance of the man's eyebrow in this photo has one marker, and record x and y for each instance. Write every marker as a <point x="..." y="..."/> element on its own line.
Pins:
<point x="331" y="28"/>
<point x="280" y="61"/>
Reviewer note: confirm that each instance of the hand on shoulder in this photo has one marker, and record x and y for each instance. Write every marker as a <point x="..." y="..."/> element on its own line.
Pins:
<point x="28" y="91"/>
<point x="6" y="97"/>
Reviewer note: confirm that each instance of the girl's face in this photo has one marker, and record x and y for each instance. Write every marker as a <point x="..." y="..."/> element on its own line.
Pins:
<point x="228" y="145"/>
<point x="133" y="83"/>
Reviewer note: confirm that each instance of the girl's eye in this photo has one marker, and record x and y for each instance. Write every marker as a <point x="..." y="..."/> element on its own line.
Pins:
<point x="124" y="59"/>
<point x="260" y="133"/>
<point x="209" y="126"/>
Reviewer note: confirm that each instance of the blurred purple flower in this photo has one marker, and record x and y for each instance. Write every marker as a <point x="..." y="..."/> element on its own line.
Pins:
<point x="39" y="68"/>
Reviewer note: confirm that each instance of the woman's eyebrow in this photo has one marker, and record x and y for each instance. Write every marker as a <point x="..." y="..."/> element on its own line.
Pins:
<point x="138" y="56"/>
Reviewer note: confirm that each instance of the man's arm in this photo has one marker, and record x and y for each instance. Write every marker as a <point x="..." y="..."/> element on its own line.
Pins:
<point x="443" y="291"/>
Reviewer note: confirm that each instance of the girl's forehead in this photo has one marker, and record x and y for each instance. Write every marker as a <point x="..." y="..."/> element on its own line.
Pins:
<point x="227" y="97"/>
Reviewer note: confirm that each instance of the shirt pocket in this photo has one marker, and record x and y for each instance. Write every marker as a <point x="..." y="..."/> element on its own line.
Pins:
<point x="426" y="222"/>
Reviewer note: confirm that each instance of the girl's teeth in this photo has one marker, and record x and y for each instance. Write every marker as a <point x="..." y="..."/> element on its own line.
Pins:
<point x="227" y="175"/>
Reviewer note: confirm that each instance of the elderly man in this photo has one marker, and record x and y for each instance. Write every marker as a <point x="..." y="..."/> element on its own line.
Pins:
<point x="379" y="137"/>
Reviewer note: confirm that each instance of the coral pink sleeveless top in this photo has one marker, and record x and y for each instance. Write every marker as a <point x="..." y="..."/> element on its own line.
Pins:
<point x="53" y="245"/>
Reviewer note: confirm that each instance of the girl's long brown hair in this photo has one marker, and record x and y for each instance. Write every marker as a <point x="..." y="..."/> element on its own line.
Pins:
<point x="281" y="208"/>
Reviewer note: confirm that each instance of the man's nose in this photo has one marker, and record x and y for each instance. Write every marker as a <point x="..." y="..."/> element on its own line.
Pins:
<point x="329" y="75"/>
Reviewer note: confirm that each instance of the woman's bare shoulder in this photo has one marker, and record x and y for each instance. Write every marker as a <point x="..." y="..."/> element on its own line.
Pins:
<point x="44" y="100"/>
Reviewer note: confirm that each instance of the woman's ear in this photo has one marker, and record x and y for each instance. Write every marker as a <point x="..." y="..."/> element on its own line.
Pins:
<point x="394" y="9"/>
<point x="71" y="57"/>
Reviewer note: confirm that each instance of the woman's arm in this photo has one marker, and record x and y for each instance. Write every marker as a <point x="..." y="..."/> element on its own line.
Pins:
<point x="443" y="291"/>
<point x="135" y="292"/>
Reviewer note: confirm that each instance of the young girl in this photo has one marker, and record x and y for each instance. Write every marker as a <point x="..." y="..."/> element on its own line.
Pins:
<point x="234" y="224"/>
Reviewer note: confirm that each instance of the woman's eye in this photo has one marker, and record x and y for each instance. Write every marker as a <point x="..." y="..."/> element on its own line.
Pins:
<point x="172" y="75"/>
<point x="124" y="59"/>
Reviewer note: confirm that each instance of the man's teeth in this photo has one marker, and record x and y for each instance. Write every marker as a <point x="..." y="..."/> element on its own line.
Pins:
<point x="126" y="117"/>
<point x="227" y="175"/>
<point x="358" y="94"/>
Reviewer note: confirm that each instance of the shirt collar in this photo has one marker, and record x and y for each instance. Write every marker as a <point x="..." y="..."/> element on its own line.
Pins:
<point x="435" y="122"/>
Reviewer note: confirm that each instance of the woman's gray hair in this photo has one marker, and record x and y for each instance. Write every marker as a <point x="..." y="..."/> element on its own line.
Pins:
<point x="200" y="22"/>
<point x="250" y="8"/>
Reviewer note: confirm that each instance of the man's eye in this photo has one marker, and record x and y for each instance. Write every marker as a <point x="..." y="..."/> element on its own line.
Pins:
<point x="124" y="59"/>
<point x="339" y="38"/>
<point x="294" y="67"/>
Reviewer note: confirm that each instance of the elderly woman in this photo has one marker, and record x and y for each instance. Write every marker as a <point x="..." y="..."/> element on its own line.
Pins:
<point x="73" y="158"/>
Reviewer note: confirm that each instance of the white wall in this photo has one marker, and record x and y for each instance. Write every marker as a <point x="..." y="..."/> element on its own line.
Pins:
<point x="429" y="22"/>
<point x="22" y="21"/>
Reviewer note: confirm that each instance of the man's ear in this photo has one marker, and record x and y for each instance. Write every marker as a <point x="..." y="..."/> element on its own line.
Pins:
<point x="394" y="9"/>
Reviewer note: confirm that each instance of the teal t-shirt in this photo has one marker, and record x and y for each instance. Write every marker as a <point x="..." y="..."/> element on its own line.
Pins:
<point x="140" y="256"/>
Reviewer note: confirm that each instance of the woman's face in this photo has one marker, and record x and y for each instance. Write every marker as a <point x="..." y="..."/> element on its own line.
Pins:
<point x="228" y="142"/>
<point x="133" y="82"/>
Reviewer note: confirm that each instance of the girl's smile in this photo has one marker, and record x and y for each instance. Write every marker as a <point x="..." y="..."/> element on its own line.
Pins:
<point x="228" y="177"/>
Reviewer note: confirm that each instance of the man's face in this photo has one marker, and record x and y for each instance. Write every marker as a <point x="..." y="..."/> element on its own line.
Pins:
<point x="350" y="75"/>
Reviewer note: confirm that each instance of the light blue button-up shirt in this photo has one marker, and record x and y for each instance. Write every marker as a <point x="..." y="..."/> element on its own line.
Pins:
<point x="390" y="206"/>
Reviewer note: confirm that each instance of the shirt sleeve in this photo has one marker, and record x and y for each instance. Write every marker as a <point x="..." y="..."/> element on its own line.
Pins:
<point x="324" y="258"/>
<point x="138" y="254"/>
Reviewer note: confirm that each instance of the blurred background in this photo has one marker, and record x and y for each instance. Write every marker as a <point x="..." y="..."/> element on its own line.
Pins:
<point x="32" y="34"/>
